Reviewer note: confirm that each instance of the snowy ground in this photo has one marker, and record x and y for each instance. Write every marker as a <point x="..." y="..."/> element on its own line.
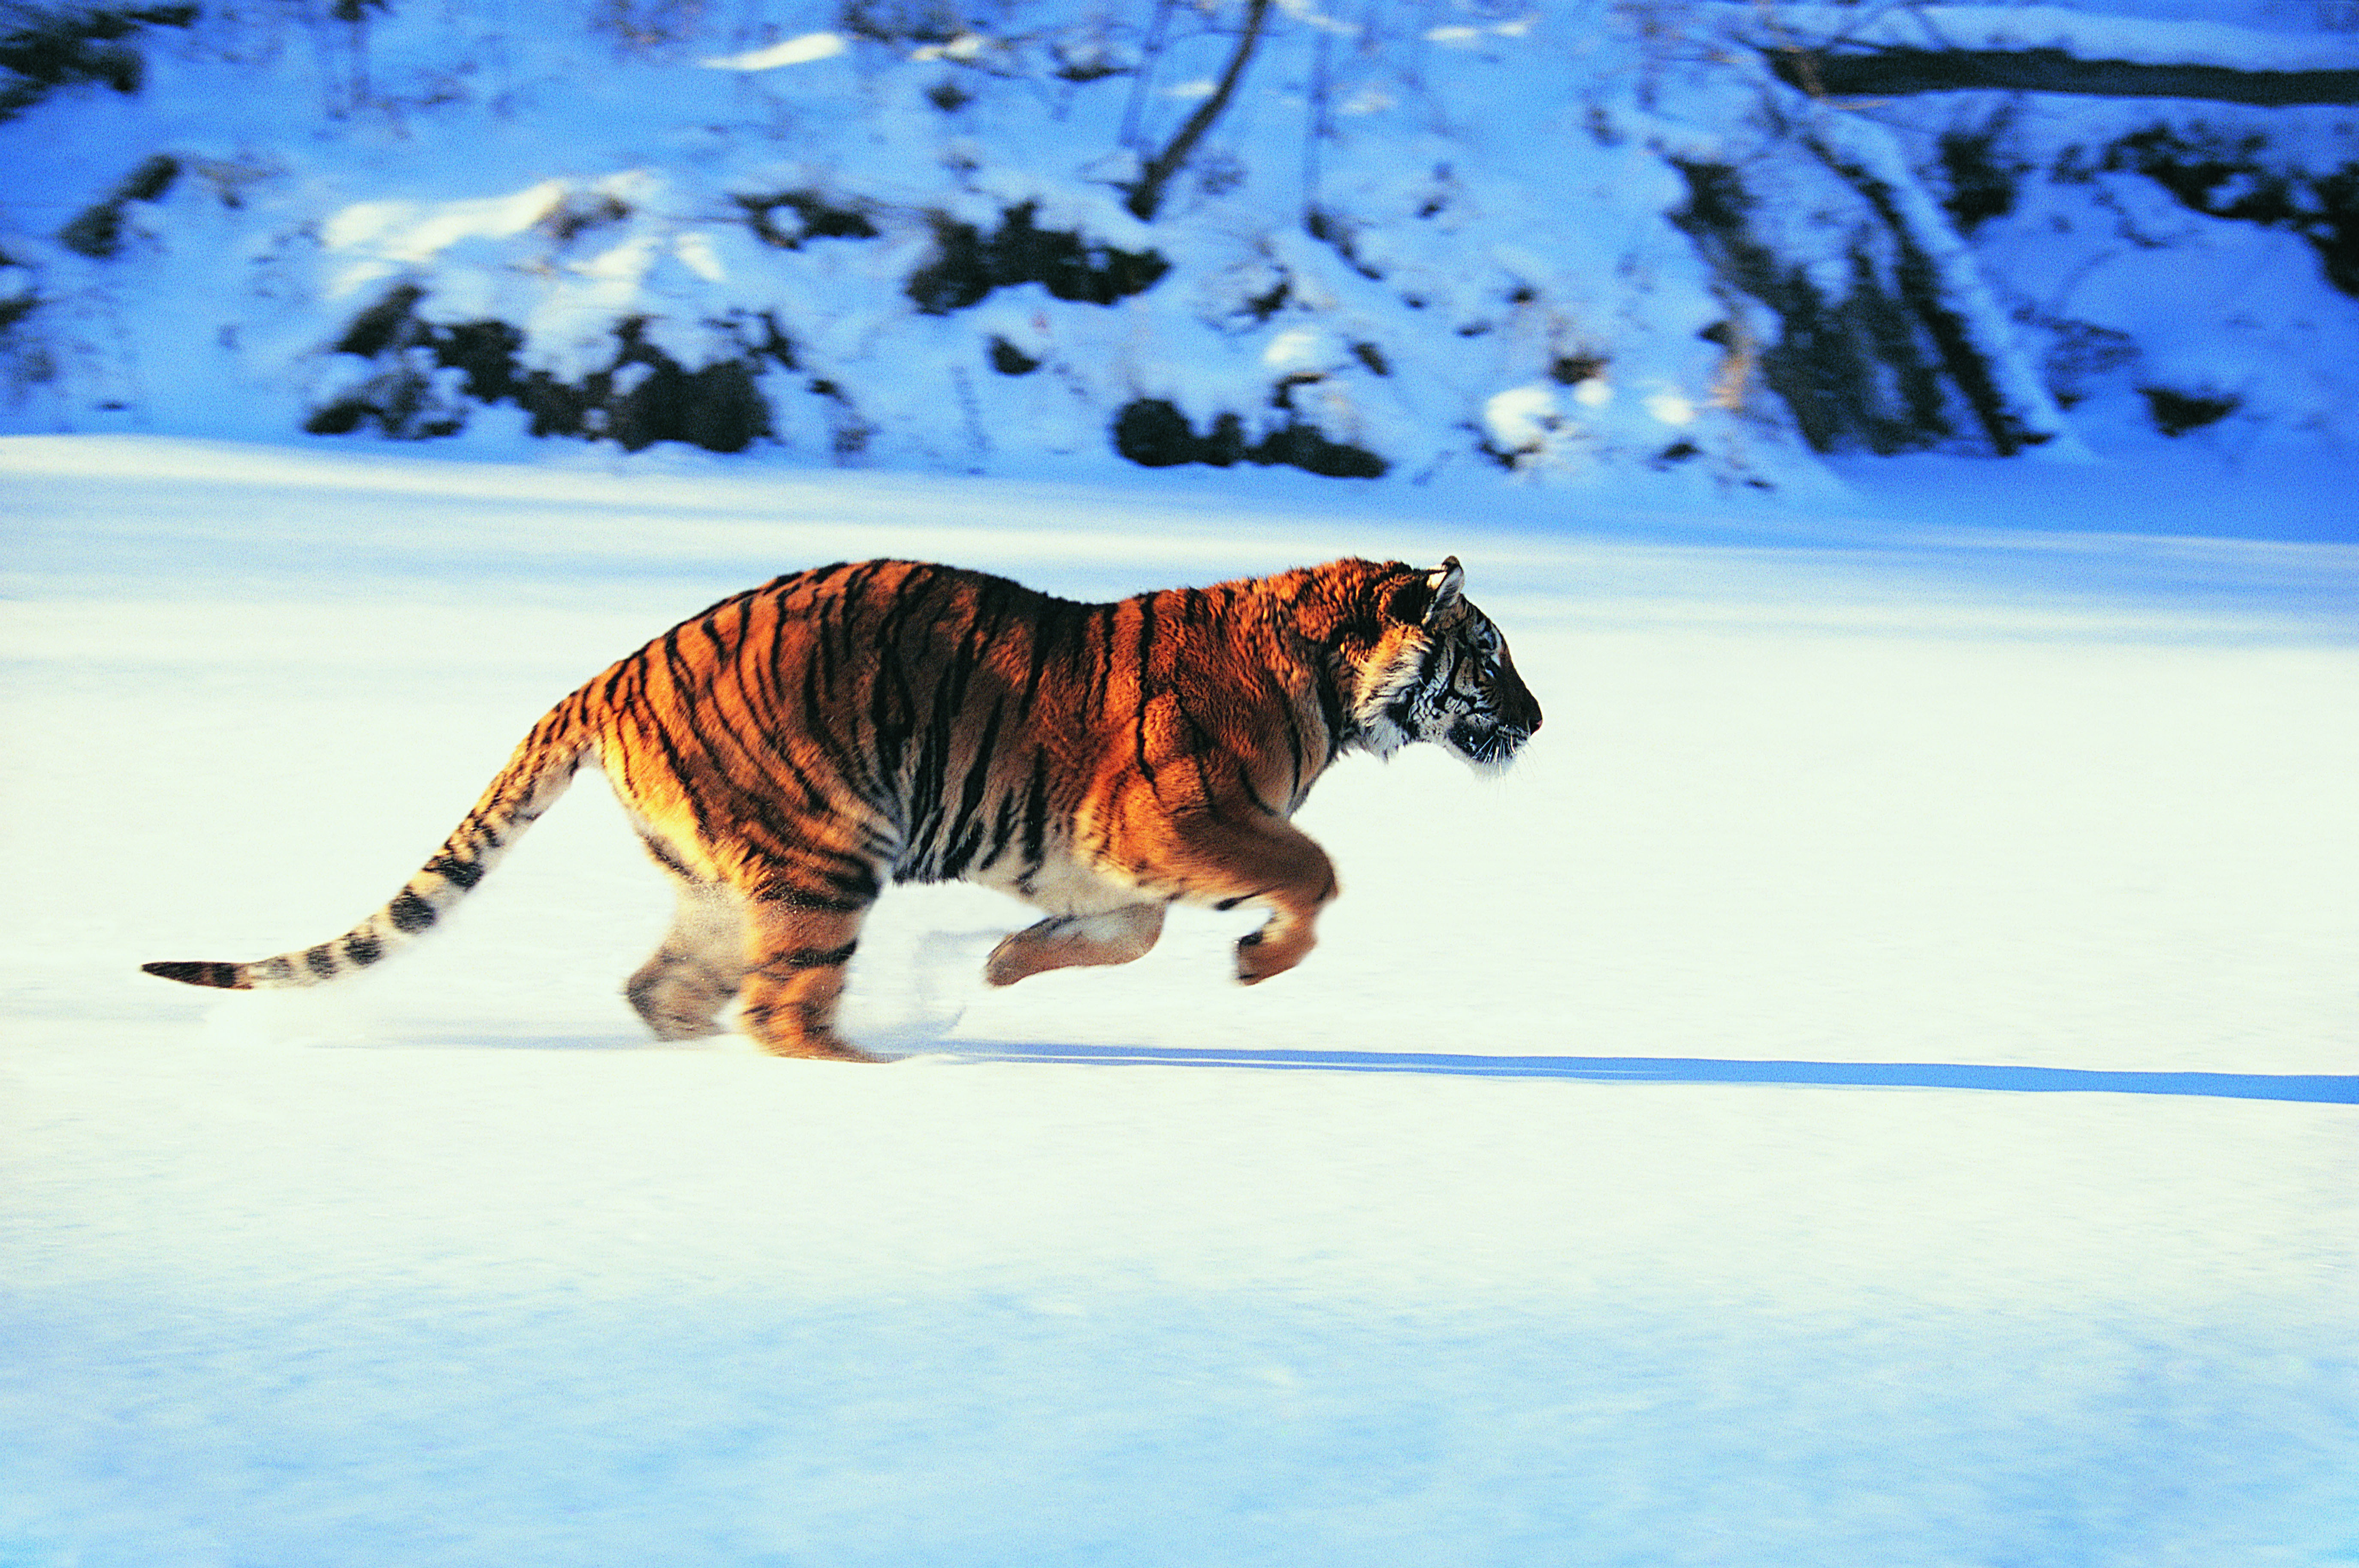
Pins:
<point x="1571" y="1238"/>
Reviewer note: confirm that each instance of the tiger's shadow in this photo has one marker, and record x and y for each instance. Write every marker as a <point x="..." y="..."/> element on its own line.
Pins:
<point x="2308" y="1087"/>
<point x="925" y="1045"/>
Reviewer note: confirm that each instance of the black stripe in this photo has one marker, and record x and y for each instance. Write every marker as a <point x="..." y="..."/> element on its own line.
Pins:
<point x="965" y="833"/>
<point x="199" y="972"/>
<point x="1145" y="694"/>
<point x="322" y="960"/>
<point x="1094" y="648"/>
<point x="1036" y="812"/>
<point x="1203" y="750"/>
<point x="1294" y="751"/>
<point x="411" y="913"/>
<point x="1332" y="710"/>
<point x="815" y="723"/>
<point x="1003" y="827"/>
<point x="461" y="874"/>
<point x="795" y="960"/>
<point x="1058" y="623"/>
<point x="818" y="902"/>
<point x="661" y="853"/>
<point x="850" y="876"/>
<point x="363" y="948"/>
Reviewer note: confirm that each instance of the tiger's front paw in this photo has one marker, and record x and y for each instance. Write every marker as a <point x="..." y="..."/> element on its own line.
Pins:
<point x="1266" y="952"/>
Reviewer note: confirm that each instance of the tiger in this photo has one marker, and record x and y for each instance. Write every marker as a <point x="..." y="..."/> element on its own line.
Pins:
<point x="788" y="751"/>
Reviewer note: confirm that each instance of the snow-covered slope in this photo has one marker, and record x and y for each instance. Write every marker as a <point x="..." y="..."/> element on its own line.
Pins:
<point x="1420" y="239"/>
<point x="1408" y="240"/>
<point x="454" y="1267"/>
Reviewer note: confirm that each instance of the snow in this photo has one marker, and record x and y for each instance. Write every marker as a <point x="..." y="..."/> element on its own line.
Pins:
<point x="1967" y="778"/>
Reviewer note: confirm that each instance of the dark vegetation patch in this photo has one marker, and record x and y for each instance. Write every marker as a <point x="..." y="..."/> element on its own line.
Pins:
<point x="642" y="396"/>
<point x="1851" y="368"/>
<point x="2079" y="353"/>
<point x="1153" y="433"/>
<point x="2229" y="176"/>
<point x="969" y="263"/>
<point x="45" y="48"/>
<point x="1260" y="307"/>
<point x="901" y="21"/>
<point x="97" y="231"/>
<point x="1572" y="370"/>
<point x="1979" y="184"/>
<point x="1009" y="360"/>
<point x="1340" y="235"/>
<point x="375" y="329"/>
<point x="2175" y="413"/>
<point x="813" y="217"/>
<point x="1087" y="59"/>
<point x="1885" y="365"/>
<point x="577" y="216"/>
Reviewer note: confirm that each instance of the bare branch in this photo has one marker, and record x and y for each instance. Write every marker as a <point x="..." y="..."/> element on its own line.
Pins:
<point x="1147" y="196"/>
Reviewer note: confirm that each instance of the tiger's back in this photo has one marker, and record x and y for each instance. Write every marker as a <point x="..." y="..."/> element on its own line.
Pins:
<point x="796" y="748"/>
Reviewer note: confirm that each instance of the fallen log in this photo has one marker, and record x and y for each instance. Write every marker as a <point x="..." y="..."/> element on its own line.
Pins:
<point x="1896" y="71"/>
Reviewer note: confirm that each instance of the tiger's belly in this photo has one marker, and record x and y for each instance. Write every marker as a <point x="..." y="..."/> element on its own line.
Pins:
<point x="1063" y="884"/>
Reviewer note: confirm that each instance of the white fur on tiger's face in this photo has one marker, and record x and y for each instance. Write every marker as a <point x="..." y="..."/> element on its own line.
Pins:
<point x="1447" y="677"/>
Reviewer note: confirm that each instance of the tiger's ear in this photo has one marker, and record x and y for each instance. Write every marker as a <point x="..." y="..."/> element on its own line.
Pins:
<point x="1446" y="581"/>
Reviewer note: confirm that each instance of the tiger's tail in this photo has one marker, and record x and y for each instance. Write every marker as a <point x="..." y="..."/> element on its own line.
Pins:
<point x="538" y="771"/>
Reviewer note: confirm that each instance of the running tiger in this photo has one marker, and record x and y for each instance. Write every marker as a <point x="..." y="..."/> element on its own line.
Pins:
<point x="786" y="753"/>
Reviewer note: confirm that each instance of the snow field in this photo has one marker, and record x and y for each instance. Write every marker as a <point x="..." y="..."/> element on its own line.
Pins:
<point x="541" y="1306"/>
<point x="452" y="1266"/>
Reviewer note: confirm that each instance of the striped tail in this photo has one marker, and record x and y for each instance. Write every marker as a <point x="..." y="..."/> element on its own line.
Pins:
<point x="537" y="773"/>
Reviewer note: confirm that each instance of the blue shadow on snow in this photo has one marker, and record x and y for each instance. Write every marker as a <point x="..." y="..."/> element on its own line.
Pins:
<point x="2319" y="1089"/>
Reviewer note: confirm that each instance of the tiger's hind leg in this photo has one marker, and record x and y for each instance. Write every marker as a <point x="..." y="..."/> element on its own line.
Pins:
<point x="797" y="950"/>
<point x="698" y="967"/>
<point x="1066" y="941"/>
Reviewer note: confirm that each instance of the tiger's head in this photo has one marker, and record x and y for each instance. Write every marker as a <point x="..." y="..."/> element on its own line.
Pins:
<point x="1440" y="671"/>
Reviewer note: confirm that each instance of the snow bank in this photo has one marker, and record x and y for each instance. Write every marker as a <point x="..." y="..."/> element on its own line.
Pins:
<point x="914" y="248"/>
<point x="1418" y="243"/>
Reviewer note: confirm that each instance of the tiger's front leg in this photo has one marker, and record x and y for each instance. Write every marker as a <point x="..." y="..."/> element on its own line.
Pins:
<point x="1251" y="857"/>
<point x="797" y="950"/>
